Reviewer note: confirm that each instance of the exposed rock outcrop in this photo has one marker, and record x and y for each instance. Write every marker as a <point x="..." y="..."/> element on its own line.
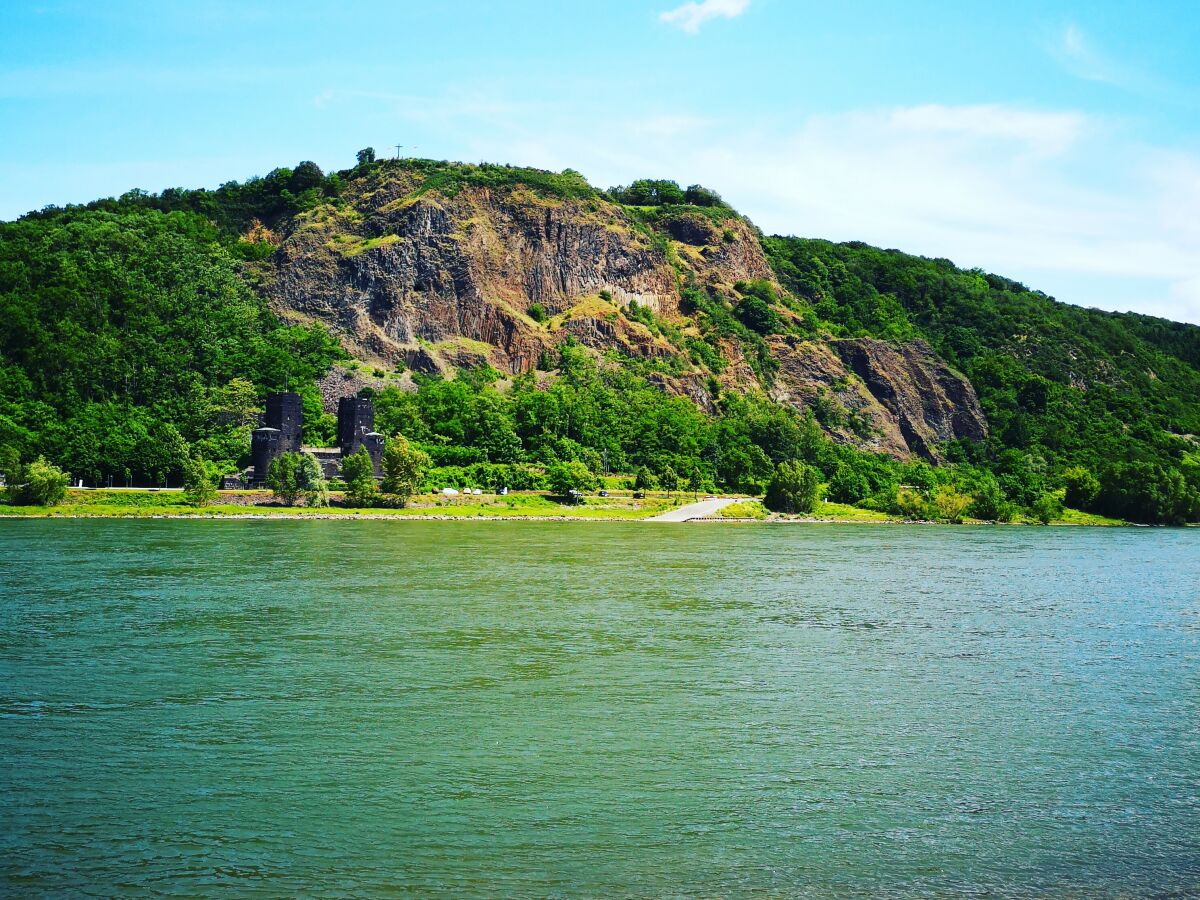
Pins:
<point x="930" y="402"/>
<point x="432" y="268"/>
<point x="811" y="374"/>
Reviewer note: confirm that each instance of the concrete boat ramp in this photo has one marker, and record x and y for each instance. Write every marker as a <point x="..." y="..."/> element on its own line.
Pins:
<point x="702" y="509"/>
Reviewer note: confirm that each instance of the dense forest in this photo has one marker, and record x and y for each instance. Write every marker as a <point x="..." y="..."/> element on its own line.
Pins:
<point x="133" y="339"/>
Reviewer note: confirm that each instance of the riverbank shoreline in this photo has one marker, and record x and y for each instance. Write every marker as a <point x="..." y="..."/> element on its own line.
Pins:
<point x="301" y="515"/>
<point x="514" y="507"/>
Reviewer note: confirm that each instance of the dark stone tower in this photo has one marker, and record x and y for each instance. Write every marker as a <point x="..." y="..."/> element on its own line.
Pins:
<point x="356" y="417"/>
<point x="285" y="414"/>
<point x="264" y="447"/>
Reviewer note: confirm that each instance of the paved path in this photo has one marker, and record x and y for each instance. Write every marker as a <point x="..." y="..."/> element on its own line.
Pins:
<point x="695" y="510"/>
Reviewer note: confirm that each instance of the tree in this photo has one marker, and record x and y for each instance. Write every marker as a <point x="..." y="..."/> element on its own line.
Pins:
<point x="10" y="463"/>
<point x="305" y="176"/>
<point x="311" y="481"/>
<point x="698" y="195"/>
<point x="404" y="468"/>
<point x="359" y="474"/>
<point x="757" y="315"/>
<point x="990" y="504"/>
<point x="238" y="399"/>
<point x="949" y="504"/>
<point x="565" y="477"/>
<point x="793" y="488"/>
<point x="1082" y="487"/>
<point x="645" y="480"/>
<point x="45" y="483"/>
<point x="908" y="503"/>
<point x="669" y="480"/>
<point x="283" y="478"/>
<point x="1047" y="508"/>
<point x="366" y="155"/>
<point x="848" y="485"/>
<point x="198" y="486"/>
<point x="38" y="484"/>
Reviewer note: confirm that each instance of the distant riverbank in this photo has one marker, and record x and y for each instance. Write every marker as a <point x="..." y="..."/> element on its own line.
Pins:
<point x="517" y="506"/>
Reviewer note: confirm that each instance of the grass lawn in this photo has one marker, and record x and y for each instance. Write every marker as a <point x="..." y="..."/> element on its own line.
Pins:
<point x="747" y="509"/>
<point x="141" y="504"/>
<point x="844" y="512"/>
<point x="1078" y="517"/>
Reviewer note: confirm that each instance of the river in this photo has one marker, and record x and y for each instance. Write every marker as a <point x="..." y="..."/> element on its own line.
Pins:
<point x="563" y="709"/>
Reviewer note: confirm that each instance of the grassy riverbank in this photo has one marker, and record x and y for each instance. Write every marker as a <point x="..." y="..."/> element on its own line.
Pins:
<point x="619" y="506"/>
<point x="241" y="504"/>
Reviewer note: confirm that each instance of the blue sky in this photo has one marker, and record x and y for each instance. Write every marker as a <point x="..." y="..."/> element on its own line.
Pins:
<point x="1058" y="143"/>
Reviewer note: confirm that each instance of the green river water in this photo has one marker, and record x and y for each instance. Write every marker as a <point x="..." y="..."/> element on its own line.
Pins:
<point x="286" y="708"/>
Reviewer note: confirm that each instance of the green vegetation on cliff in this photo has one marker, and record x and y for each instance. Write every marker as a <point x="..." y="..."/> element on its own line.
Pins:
<point x="1061" y="386"/>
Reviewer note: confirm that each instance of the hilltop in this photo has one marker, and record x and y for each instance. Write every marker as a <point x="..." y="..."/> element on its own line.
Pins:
<point x="506" y="316"/>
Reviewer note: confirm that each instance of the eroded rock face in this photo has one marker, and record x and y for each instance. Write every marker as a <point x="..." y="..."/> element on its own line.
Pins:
<point x="930" y="402"/>
<point x="898" y="399"/>
<point x="810" y="373"/>
<point x="431" y="269"/>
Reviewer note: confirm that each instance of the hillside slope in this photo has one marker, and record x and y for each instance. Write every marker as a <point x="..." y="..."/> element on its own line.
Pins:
<point x="648" y="325"/>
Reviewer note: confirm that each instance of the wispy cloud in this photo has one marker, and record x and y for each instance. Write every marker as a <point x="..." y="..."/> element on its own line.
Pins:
<point x="1041" y="132"/>
<point x="690" y="16"/>
<point x="1067" y="202"/>
<point x="1075" y="50"/>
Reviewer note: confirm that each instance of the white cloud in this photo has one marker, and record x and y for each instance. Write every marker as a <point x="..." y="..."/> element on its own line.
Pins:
<point x="690" y="16"/>
<point x="1063" y="201"/>
<point x="1044" y="133"/>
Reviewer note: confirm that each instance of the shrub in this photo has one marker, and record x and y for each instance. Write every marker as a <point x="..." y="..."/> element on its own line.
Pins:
<point x="198" y="486"/>
<point x="404" y="469"/>
<point x="359" y="474"/>
<point x="949" y="504"/>
<point x="537" y="312"/>
<point x="606" y="295"/>
<point x="565" y="477"/>
<point x="793" y="488"/>
<point x="38" y="484"/>
<point x="645" y="480"/>
<point x="311" y="481"/>
<point x="755" y="314"/>
<point x="283" y="478"/>
<point x="908" y="503"/>
<point x="1047" y="508"/>
<point x="1082" y="487"/>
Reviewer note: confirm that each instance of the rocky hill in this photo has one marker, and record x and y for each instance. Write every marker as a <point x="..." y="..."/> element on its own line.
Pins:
<point x="412" y="265"/>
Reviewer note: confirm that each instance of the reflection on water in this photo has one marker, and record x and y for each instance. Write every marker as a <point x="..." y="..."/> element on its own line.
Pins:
<point x="519" y="708"/>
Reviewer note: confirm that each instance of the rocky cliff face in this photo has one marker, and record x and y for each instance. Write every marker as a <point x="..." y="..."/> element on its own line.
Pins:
<point x="418" y="277"/>
<point x="444" y="277"/>
<point x="929" y="401"/>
